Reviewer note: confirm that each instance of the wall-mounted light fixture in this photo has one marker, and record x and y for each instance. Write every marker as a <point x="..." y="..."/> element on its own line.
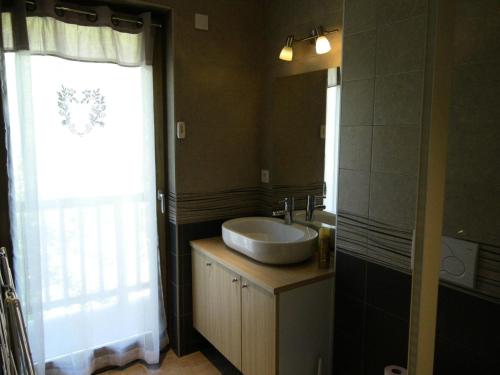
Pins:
<point x="286" y="53"/>
<point x="317" y="36"/>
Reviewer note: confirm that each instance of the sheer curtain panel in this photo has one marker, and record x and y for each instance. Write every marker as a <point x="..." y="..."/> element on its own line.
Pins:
<point x="82" y="185"/>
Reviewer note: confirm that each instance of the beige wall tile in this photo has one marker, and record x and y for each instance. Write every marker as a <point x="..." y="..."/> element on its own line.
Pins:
<point x="389" y="11"/>
<point x="398" y="99"/>
<point x="393" y="199"/>
<point x="357" y="103"/>
<point x="396" y="149"/>
<point x="401" y="46"/>
<point x="359" y="16"/>
<point x="355" y="147"/>
<point x="354" y="191"/>
<point x="359" y="56"/>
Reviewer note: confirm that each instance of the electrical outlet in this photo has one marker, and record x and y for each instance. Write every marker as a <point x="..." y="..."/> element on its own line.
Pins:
<point x="264" y="176"/>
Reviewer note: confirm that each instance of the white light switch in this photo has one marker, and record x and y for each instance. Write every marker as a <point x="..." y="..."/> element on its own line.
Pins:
<point x="458" y="261"/>
<point x="264" y="176"/>
<point x="322" y="132"/>
<point x="181" y="130"/>
<point x="201" y="21"/>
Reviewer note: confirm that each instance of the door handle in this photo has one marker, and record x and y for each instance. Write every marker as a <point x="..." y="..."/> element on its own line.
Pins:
<point x="161" y="198"/>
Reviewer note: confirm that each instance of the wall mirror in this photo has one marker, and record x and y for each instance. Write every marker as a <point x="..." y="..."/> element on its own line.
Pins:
<point x="303" y="136"/>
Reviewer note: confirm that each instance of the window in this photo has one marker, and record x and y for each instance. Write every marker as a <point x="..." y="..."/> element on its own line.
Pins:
<point x="90" y="165"/>
<point x="332" y="141"/>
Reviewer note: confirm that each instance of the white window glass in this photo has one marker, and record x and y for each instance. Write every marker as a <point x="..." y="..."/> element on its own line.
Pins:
<point x="331" y="147"/>
<point x="82" y="172"/>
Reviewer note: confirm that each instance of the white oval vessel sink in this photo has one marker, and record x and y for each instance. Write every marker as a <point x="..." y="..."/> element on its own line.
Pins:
<point x="270" y="240"/>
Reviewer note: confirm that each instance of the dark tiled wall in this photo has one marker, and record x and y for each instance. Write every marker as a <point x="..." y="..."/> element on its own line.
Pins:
<point x="173" y="289"/>
<point x="372" y="307"/>
<point x="468" y="335"/>
<point x="183" y="337"/>
<point x="371" y="323"/>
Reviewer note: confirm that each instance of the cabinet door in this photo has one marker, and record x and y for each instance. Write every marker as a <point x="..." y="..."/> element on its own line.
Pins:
<point x="203" y="309"/>
<point x="258" y="330"/>
<point x="227" y="320"/>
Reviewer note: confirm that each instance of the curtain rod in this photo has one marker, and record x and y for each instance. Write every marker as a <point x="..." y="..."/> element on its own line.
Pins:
<point x="94" y="14"/>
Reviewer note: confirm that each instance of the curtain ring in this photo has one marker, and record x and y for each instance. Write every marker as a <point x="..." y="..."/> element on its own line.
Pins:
<point x="59" y="11"/>
<point x="116" y="21"/>
<point x="31" y="6"/>
<point x="92" y="17"/>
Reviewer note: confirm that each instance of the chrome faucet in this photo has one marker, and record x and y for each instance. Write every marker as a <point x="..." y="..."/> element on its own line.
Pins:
<point x="289" y="206"/>
<point x="311" y="205"/>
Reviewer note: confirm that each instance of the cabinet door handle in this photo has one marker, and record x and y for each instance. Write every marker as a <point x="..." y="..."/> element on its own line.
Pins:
<point x="209" y="263"/>
<point x="234" y="280"/>
<point x="245" y="285"/>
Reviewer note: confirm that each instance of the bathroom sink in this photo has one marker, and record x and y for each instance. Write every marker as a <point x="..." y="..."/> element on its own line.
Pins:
<point x="270" y="240"/>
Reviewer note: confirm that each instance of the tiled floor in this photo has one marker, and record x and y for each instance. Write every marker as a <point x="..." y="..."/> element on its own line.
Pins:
<point x="192" y="364"/>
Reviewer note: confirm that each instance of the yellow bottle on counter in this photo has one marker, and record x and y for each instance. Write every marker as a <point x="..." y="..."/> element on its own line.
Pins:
<point x="324" y="247"/>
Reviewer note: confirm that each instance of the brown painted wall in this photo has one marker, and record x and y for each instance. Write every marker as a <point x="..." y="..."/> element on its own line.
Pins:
<point x="215" y="81"/>
<point x="217" y="93"/>
<point x="223" y="82"/>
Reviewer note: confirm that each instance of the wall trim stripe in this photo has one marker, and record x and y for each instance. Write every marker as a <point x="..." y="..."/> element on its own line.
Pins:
<point x="185" y="208"/>
<point x="390" y="246"/>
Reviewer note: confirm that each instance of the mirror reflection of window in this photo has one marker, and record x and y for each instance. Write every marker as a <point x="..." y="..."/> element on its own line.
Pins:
<point x="332" y="140"/>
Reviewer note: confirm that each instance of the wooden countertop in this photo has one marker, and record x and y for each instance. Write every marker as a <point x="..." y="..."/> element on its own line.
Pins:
<point x="274" y="279"/>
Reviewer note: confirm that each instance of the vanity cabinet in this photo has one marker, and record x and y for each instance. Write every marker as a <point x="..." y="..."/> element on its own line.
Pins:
<point x="217" y="311"/>
<point x="265" y="320"/>
<point x="258" y="330"/>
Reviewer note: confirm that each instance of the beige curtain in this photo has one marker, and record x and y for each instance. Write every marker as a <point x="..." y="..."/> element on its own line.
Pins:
<point x="95" y="34"/>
